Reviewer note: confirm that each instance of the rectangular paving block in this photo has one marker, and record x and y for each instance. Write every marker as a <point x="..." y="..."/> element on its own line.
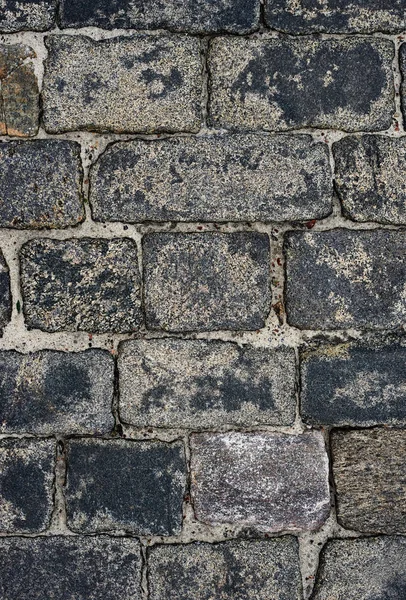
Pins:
<point x="84" y="568"/>
<point x="342" y="278"/>
<point x="81" y="285"/>
<point x="48" y="392"/>
<point x="278" y="84"/>
<point x="23" y="15"/>
<point x="5" y="294"/>
<point x="115" y="485"/>
<point x="354" y="385"/>
<point x="195" y="383"/>
<point x="247" y="177"/>
<point x="370" y="479"/>
<point x="234" y="570"/>
<point x="41" y="184"/>
<point x="142" y="83"/>
<point x="268" y="481"/>
<point x="370" y="178"/>
<point x="26" y="484"/>
<point x="206" y="281"/>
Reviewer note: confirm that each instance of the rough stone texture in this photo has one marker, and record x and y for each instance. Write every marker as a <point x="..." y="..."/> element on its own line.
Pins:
<point x="47" y="392"/>
<point x="40" y="184"/>
<point x="204" y="16"/>
<point x="125" y="485"/>
<point x="34" y="15"/>
<point x="213" y="178"/>
<point x="280" y="84"/>
<point x="364" y="568"/>
<point x="70" y="568"/>
<point x="270" y="481"/>
<point x="142" y="83"/>
<point x="370" y="178"/>
<point x="340" y="278"/>
<point x="194" y="383"/>
<point x="81" y="285"/>
<point x="235" y="570"/>
<point x="5" y="294"/>
<point x="26" y="481"/>
<point x="402" y="60"/>
<point x="19" y="95"/>
<point x="206" y="281"/>
<point x="370" y="479"/>
<point x="336" y="16"/>
<point x="354" y="385"/>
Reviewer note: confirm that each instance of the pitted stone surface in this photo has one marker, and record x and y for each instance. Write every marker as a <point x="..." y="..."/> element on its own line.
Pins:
<point x="125" y="485"/>
<point x="279" y="84"/>
<point x="5" y="294"/>
<point x="142" y="83"/>
<point x="195" y="383"/>
<point x="370" y="479"/>
<point x="40" y="184"/>
<point x="402" y="61"/>
<point x="365" y="569"/>
<point x="341" y="278"/>
<point x="81" y="285"/>
<point x="370" y="178"/>
<point x="354" y="385"/>
<point x="47" y="392"/>
<point x="235" y="570"/>
<point x="67" y="568"/>
<point x="206" y="281"/>
<point x="214" y="178"/>
<point x="269" y="481"/>
<point x="26" y="482"/>
<point x="22" y="15"/>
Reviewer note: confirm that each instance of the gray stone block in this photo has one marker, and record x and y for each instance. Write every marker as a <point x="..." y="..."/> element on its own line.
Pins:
<point x="279" y="84"/>
<point x="268" y="481"/>
<point x="402" y="60"/>
<point x="214" y="178"/>
<point x="5" y="294"/>
<point x="23" y="15"/>
<point x="206" y="281"/>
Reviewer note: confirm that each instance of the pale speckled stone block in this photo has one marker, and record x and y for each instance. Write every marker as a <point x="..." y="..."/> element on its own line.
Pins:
<point x="27" y="15"/>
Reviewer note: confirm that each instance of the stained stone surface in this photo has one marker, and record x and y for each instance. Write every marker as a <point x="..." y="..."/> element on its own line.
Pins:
<point x="213" y="178"/>
<point x="370" y="178"/>
<point x="354" y="385"/>
<point x="206" y="281"/>
<point x="142" y="83"/>
<point x="125" y="485"/>
<point x="235" y="570"/>
<point x="402" y="60"/>
<point x="5" y="294"/>
<point x="19" y="94"/>
<point x="341" y="278"/>
<point x="40" y="184"/>
<point x="370" y="479"/>
<point x="195" y="383"/>
<point x="22" y="15"/>
<point x="70" y="568"/>
<point x="26" y="484"/>
<point x="372" y="568"/>
<point x="203" y="16"/>
<point x="269" y="481"/>
<point x="279" y="84"/>
<point x="81" y="285"/>
<point x="47" y="392"/>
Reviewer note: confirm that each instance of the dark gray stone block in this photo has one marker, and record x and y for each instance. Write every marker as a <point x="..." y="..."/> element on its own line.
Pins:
<point x="27" y="15"/>
<point x="5" y="294"/>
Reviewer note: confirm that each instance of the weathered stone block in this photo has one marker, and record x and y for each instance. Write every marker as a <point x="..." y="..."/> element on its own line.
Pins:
<point x="26" y="481"/>
<point x="31" y="15"/>
<point x="81" y="285"/>
<point x="206" y="281"/>
<point x="47" y="392"/>
<point x="235" y="570"/>
<point x="280" y="84"/>
<point x="125" y="485"/>
<point x="269" y="481"/>
<point x="370" y="178"/>
<point x="88" y="568"/>
<point x="370" y="479"/>
<point x="194" y="383"/>
<point x="19" y="95"/>
<point x="341" y="278"/>
<point x="41" y="184"/>
<point x="5" y="294"/>
<point x="144" y="83"/>
<point x="214" y="178"/>
<point x="365" y="568"/>
<point x="402" y="59"/>
<point x="354" y="385"/>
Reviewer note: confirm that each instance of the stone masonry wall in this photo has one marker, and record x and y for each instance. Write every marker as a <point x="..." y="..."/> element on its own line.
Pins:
<point x="202" y="300"/>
